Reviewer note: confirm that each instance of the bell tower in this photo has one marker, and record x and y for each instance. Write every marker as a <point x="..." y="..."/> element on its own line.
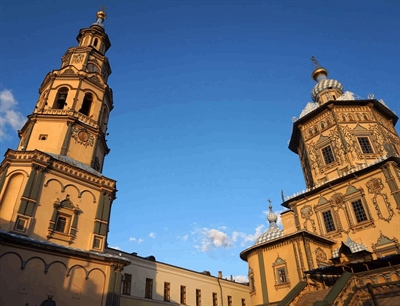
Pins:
<point x="51" y="187"/>
<point x="71" y="115"/>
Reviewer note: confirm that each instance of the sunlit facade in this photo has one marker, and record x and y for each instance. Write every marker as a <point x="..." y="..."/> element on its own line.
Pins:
<point x="339" y="242"/>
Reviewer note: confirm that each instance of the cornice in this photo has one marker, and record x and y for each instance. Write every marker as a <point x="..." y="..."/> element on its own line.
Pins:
<point x="44" y="246"/>
<point x="286" y="239"/>
<point x="49" y="163"/>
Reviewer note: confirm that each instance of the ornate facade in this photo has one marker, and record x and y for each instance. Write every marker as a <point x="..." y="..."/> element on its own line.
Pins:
<point x="54" y="201"/>
<point x="348" y="218"/>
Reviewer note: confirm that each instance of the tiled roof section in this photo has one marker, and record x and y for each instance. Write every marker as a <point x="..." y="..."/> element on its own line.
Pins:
<point x="75" y="163"/>
<point x="270" y="234"/>
<point x="352" y="245"/>
<point x="325" y="84"/>
<point x="273" y="231"/>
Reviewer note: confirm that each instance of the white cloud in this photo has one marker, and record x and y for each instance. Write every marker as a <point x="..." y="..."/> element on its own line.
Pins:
<point x="241" y="279"/>
<point x="152" y="235"/>
<point x="132" y="239"/>
<point x="212" y="239"/>
<point x="115" y="247"/>
<point x="140" y="240"/>
<point x="185" y="238"/>
<point x="9" y="115"/>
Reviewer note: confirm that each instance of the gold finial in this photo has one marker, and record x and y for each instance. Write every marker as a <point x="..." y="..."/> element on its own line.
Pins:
<point x="319" y="72"/>
<point x="101" y="14"/>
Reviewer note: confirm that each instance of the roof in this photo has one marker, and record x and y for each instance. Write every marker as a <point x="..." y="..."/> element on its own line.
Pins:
<point x="351" y="245"/>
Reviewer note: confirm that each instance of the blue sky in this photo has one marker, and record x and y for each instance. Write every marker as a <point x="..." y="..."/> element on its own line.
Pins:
<point x="204" y="95"/>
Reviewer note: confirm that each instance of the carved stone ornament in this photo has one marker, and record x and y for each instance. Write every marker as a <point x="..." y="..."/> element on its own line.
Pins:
<point x="95" y="79"/>
<point x="306" y="212"/>
<point x="77" y="58"/>
<point x="374" y="185"/>
<point x="82" y="136"/>
<point x="68" y="71"/>
<point x="320" y="255"/>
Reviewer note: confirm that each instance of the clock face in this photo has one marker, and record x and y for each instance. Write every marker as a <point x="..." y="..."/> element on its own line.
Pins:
<point x="83" y="136"/>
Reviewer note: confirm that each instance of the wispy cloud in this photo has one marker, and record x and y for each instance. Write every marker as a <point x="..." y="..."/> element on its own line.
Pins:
<point x="184" y="238"/>
<point x="132" y="239"/>
<point x="115" y="247"/>
<point x="152" y="235"/>
<point x="212" y="239"/>
<point x="140" y="240"/>
<point x="241" y="279"/>
<point x="9" y="114"/>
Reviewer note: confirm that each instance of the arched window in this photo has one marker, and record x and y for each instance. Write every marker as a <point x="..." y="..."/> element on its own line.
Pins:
<point x="85" y="40"/>
<point x="96" y="42"/>
<point x="87" y="102"/>
<point x="61" y="98"/>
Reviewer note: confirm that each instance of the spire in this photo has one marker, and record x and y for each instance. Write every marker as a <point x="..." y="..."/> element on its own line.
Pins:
<point x="319" y="73"/>
<point x="101" y="16"/>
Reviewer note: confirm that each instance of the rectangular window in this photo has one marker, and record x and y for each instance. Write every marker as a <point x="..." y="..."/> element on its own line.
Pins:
<point x="215" y="299"/>
<point x="229" y="300"/>
<point x="243" y="302"/>
<point x="167" y="291"/>
<point x="328" y="220"/>
<point x="21" y="224"/>
<point x="183" y="295"/>
<point x="61" y="224"/>
<point x="149" y="288"/>
<point x="198" y="297"/>
<point x="126" y="286"/>
<point x="251" y="283"/>
<point x="97" y="242"/>
<point x="359" y="211"/>
<point x="281" y="272"/>
<point x="328" y="155"/>
<point x="365" y="145"/>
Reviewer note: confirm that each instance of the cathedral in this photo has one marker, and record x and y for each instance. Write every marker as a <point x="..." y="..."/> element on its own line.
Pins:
<point x="339" y="241"/>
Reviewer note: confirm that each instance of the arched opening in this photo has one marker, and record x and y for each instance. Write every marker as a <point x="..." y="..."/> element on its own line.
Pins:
<point x="87" y="102"/>
<point x="96" y="42"/>
<point x="61" y="98"/>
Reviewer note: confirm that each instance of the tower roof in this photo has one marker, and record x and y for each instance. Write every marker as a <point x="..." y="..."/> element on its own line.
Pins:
<point x="320" y="75"/>
<point x="273" y="231"/>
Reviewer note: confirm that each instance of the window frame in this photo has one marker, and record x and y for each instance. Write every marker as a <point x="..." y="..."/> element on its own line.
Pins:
<point x="26" y="222"/>
<point x="198" y="297"/>
<point x="167" y="292"/>
<point x="148" y="292"/>
<point x="183" y="295"/>
<point x="332" y="216"/>
<point x="330" y="156"/>
<point x="215" y="298"/>
<point x="280" y="265"/>
<point x="368" y="144"/>
<point x="126" y="284"/>
<point x="361" y="205"/>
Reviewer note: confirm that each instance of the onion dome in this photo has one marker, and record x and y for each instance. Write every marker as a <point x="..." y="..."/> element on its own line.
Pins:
<point x="273" y="231"/>
<point x="320" y="75"/>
